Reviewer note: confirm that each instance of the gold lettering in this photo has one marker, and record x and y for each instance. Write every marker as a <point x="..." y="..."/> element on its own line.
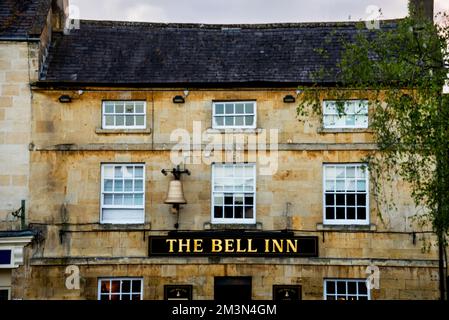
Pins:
<point x="239" y="249"/>
<point x="216" y="245"/>
<point x="186" y="245"/>
<point x="229" y="245"/>
<point x="170" y="241"/>
<point x="197" y="245"/>
<point x="267" y="247"/>
<point x="292" y="246"/>
<point x="250" y="246"/>
<point x="279" y="244"/>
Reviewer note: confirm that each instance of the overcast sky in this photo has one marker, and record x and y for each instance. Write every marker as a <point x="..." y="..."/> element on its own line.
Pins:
<point x="242" y="11"/>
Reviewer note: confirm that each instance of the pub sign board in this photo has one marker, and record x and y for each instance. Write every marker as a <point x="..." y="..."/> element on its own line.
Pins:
<point x="223" y="245"/>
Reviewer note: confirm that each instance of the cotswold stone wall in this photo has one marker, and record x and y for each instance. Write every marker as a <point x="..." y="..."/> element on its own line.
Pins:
<point x="69" y="146"/>
<point x="18" y="65"/>
<point x="396" y="281"/>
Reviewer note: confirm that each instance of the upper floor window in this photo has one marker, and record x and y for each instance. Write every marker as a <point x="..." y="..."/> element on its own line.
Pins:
<point x="346" y="194"/>
<point x="346" y="289"/>
<point x="234" y="193"/>
<point x="124" y="115"/>
<point x="238" y="114"/>
<point x="353" y="114"/>
<point x="122" y="193"/>
<point x="120" y="289"/>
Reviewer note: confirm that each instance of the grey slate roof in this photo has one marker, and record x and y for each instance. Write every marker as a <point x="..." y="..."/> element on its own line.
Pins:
<point x="114" y="53"/>
<point x="22" y="18"/>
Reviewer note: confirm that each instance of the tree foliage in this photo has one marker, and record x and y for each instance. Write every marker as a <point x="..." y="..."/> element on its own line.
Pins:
<point x="401" y="71"/>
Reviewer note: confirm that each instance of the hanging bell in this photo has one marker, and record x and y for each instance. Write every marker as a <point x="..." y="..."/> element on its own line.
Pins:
<point x="175" y="195"/>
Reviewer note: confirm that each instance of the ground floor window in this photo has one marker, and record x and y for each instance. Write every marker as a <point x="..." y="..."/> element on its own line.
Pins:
<point x="120" y="289"/>
<point x="5" y="293"/>
<point x="346" y="289"/>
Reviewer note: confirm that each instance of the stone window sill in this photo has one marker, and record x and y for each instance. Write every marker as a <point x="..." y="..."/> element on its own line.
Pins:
<point x="122" y="226"/>
<point x="231" y="226"/>
<point x="345" y="227"/>
<point x="232" y="131"/>
<point x="122" y="131"/>
<point x="344" y="130"/>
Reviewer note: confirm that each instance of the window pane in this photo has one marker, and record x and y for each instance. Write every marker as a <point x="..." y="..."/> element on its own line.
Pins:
<point x="350" y="199"/>
<point x="126" y="286"/>
<point x="218" y="200"/>
<point x="139" y="107"/>
<point x="108" y="107"/>
<point x="109" y="120"/>
<point x="341" y="287"/>
<point x="350" y="172"/>
<point x="249" y="199"/>
<point x="115" y="286"/>
<point x="128" y="185"/>
<point x="239" y="108"/>
<point x="228" y="199"/>
<point x="107" y="199"/>
<point x="340" y="172"/>
<point x="361" y="213"/>
<point x="228" y="212"/>
<point x="136" y="297"/>
<point x="218" y="212"/>
<point x="361" y="199"/>
<point x="138" y="199"/>
<point x="249" y="108"/>
<point x="229" y="121"/>
<point x="229" y="108"/>
<point x="350" y="185"/>
<point x="138" y="185"/>
<point x="119" y="108"/>
<point x="129" y="107"/>
<point x="138" y="172"/>
<point x="239" y="121"/>
<point x="249" y="120"/>
<point x="362" y="287"/>
<point x="352" y="287"/>
<point x="249" y="212"/>
<point x="118" y="199"/>
<point x="340" y="199"/>
<point x="108" y="171"/>
<point x="119" y="120"/>
<point x="219" y="121"/>
<point x="118" y="185"/>
<point x="129" y="201"/>
<point x="361" y="185"/>
<point x="129" y="120"/>
<point x="340" y="213"/>
<point x="105" y="286"/>
<point x="330" y="213"/>
<point x="330" y="172"/>
<point x="330" y="287"/>
<point x="140" y="120"/>
<point x="108" y="185"/>
<point x="340" y="185"/>
<point x="329" y="199"/>
<point x="238" y="212"/>
<point x="219" y="109"/>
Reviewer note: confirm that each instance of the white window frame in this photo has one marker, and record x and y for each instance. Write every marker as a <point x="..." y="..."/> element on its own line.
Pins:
<point x="344" y="115"/>
<point x="124" y="207"/>
<point x="120" y="294"/>
<point x="346" y="221"/>
<point x="224" y="126"/>
<point x="234" y="220"/>
<point x="8" y="289"/>
<point x="346" y="295"/>
<point x="124" y="126"/>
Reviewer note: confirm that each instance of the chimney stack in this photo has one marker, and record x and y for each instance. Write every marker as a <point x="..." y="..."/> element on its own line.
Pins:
<point x="421" y="9"/>
<point x="59" y="9"/>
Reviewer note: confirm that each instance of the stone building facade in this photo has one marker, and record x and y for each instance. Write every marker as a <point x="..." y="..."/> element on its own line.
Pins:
<point x="111" y="103"/>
